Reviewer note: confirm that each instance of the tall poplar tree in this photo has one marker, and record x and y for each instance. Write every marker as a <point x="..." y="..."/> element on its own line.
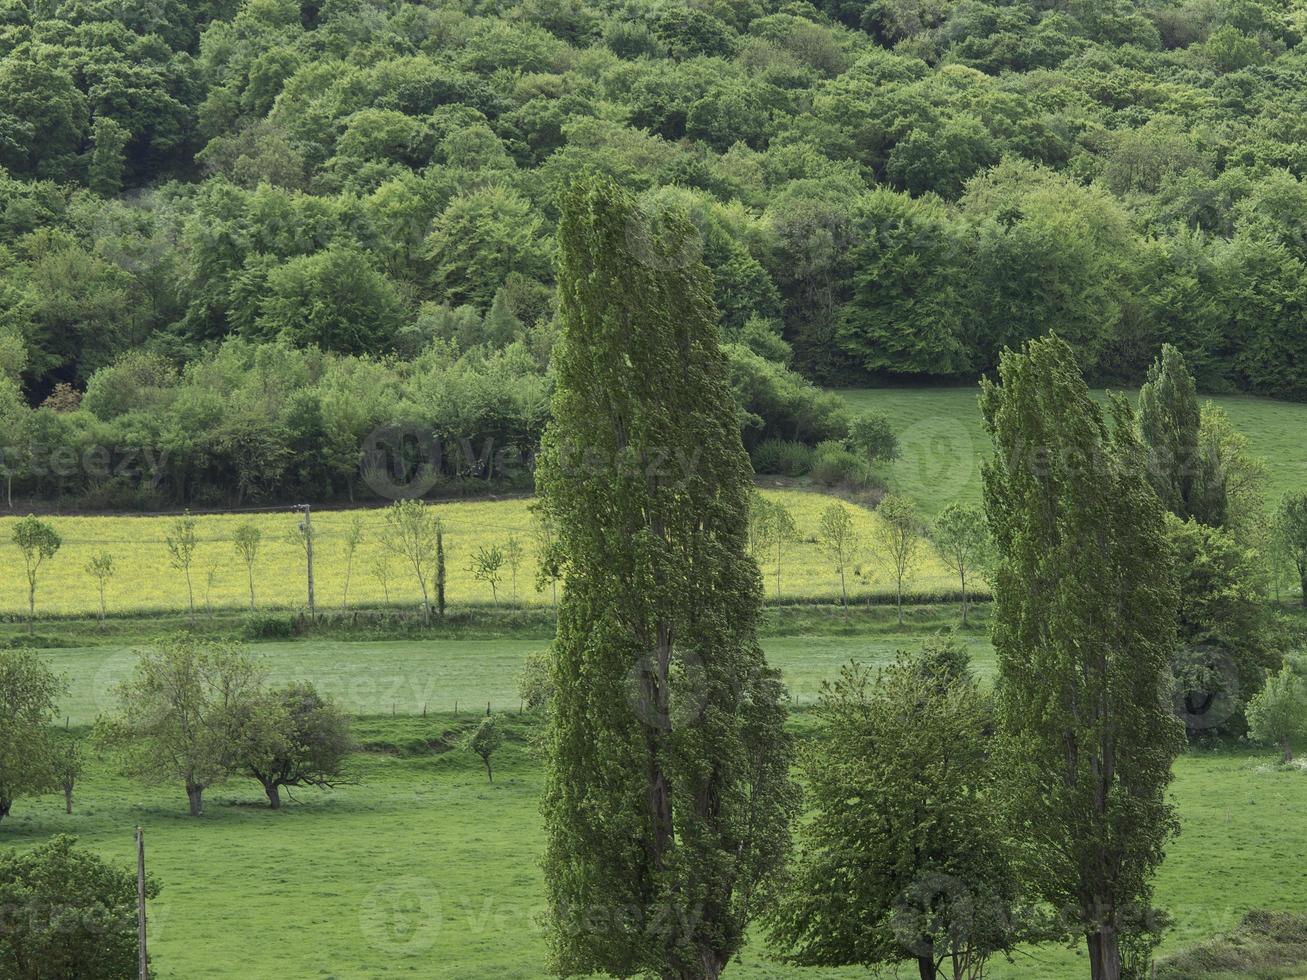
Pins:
<point x="1183" y="469"/>
<point x="1084" y="632"/>
<point x="668" y="795"/>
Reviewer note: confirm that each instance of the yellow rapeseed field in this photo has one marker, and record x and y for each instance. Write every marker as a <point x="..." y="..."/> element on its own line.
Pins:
<point x="145" y="581"/>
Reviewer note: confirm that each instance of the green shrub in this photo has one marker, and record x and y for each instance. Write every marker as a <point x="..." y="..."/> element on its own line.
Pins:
<point x="834" y="463"/>
<point x="782" y="457"/>
<point x="268" y="626"/>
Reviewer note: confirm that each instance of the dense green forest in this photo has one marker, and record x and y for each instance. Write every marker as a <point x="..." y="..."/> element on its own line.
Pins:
<point x="238" y="237"/>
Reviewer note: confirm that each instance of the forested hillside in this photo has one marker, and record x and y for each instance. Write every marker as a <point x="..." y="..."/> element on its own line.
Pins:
<point x="237" y="237"/>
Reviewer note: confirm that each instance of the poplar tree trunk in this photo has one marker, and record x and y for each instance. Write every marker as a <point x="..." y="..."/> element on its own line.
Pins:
<point x="195" y="795"/>
<point x="1104" y="955"/>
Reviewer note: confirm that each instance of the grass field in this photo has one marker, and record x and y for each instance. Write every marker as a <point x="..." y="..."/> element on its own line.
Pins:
<point x="422" y="868"/>
<point x="942" y="445"/>
<point x="943" y="441"/>
<point x="406" y="677"/>
<point x="144" y="581"/>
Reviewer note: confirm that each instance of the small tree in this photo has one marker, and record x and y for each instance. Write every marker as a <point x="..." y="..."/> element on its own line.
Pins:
<point x="513" y="555"/>
<point x="548" y="568"/>
<point x="898" y="537"/>
<point x="485" y="742"/>
<point x="411" y="533"/>
<point x="28" y="690"/>
<point x="487" y="565"/>
<point x="962" y="538"/>
<point x="535" y="685"/>
<point x="38" y="542"/>
<point x="383" y="573"/>
<point x="873" y="439"/>
<point x="179" y="714"/>
<point x="69" y="764"/>
<point x="784" y="532"/>
<point x="440" y="570"/>
<point x="839" y="541"/>
<point x="1291" y="526"/>
<point x="246" y="540"/>
<point x="1278" y="712"/>
<point x="353" y="538"/>
<point x="101" y="568"/>
<point x="93" y="936"/>
<point x="182" y="542"/>
<point x="917" y="870"/>
<point x="293" y="736"/>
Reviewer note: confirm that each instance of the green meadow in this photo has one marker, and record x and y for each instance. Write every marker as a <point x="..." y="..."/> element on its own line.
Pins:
<point x="943" y="442"/>
<point x="421" y="867"/>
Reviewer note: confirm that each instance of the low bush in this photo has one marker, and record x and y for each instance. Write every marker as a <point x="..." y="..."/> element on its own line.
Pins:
<point x="834" y="464"/>
<point x="782" y="457"/>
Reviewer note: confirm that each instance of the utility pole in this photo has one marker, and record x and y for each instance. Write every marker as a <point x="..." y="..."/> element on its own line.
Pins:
<point x="307" y="529"/>
<point x="144" y="960"/>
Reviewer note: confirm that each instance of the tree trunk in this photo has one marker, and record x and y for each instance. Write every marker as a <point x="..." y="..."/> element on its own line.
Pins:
<point x="899" y="603"/>
<point x="926" y="967"/>
<point x="1286" y="748"/>
<point x="274" y="795"/>
<point x="1304" y="591"/>
<point x="195" y="794"/>
<point x="489" y="773"/>
<point x="5" y="806"/>
<point x="68" y="797"/>
<point x="964" y="598"/>
<point x="1104" y="955"/>
<point x="31" y="610"/>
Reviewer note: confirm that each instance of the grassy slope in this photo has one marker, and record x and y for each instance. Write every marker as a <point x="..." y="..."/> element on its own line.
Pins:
<point x="425" y="869"/>
<point x="943" y="440"/>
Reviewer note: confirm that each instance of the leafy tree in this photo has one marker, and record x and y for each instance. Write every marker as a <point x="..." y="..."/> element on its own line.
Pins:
<point x="908" y="305"/>
<point x="179" y="714"/>
<point x="440" y="571"/>
<point x="28" y="689"/>
<point x="39" y="542"/>
<point x="513" y="555"/>
<point x="1187" y="479"/>
<point x="898" y="539"/>
<point x="1291" y="526"/>
<point x="771" y="531"/>
<point x="100" y="566"/>
<point x="334" y="300"/>
<point x="293" y="736"/>
<point x="486" y="741"/>
<point x="181" y="542"/>
<point x="109" y="140"/>
<point x="872" y="435"/>
<point x="482" y="236"/>
<point x="1228" y="639"/>
<point x="667" y="790"/>
<point x="69" y="767"/>
<point x="487" y="565"/>
<point x="411" y="532"/>
<point x="839" y="540"/>
<point x="962" y="539"/>
<point x="353" y="538"/>
<point x="548" y="569"/>
<point x="1240" y="475"/>
<point x="919" y="869"/>
<point x="246" y="539"/>
<point x="1278" y="712"/>
<point x="535" y="685"/>
<point x="93" y="936"/>
<point x="1085" y="634"/>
